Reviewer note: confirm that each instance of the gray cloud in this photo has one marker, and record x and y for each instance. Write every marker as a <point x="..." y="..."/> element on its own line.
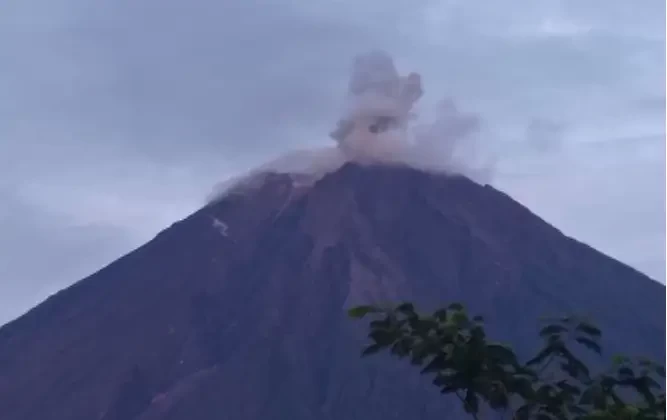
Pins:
<point x="545" y="135"/>
<point x="116" y="117"/>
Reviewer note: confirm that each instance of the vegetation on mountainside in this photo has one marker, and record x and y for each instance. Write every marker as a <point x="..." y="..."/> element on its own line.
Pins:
<point x="487" y="376"/>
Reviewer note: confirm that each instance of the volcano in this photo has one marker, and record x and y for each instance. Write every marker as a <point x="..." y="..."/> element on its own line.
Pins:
<point x="239" y="311"/>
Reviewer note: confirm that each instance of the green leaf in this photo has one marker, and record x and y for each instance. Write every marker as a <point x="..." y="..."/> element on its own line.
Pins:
<point x="440" y="315"/>
<point x="383" y="337"/>
<point x="552" y="329"/>
<point x="501" y="353"/>
<point x="471" y="402"/>
<point x="372" y="349"/>
<point x="402" y="347"/>
<point x="448" y="389"/>
<point x="570" y="369"/>
<point x="438" y="363"/>
<point x="406" y="308"/>
<point x="578" y="367"/>
<point x="459" y="319"/>
<point x="420" y="351"/>
<point x="421" y="326"/>
<point x="545" y="391"/>
<point x="607" y="382"/>
<point x="543" y="354"/>
<point x="619" y="359"/>
<point x="521" y="385"/>
<point x="380" y="324"/>
<point x="442" y="380"/>
<point x="643" y="388"/>
<point x="524" y="412"/>
<point x="554" y="340"/>
<point x="359" y="312"/>
<point x="599" y="414"/>
<point x="590" y="344"/>
<point x="652" y="383"/>
<point x="626" y="373"/>
<point x="589" y="329"/>
<point x="569" y="388"/>
<point x="576" y="409"/>
<point x="456" y="307"/>
<point x="590" y="395"/>
<point x="477" y="333"/>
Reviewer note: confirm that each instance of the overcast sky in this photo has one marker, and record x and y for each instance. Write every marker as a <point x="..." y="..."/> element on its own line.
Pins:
<point x="118" y="116"/>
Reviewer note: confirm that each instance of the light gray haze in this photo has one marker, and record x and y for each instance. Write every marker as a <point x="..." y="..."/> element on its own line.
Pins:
<point x="117" y="117"/>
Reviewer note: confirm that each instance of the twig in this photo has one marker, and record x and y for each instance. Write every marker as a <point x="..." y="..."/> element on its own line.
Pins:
<point x="465" y="404"/>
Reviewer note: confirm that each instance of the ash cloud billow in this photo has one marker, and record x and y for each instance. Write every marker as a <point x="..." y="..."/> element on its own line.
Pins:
<point x="378" y="124"/>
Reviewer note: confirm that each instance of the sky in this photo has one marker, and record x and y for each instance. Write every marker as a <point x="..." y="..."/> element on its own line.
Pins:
<point x="117" y="117"/>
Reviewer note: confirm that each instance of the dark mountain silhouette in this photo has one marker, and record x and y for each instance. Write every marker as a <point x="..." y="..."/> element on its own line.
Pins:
<point x="238" y="311"/>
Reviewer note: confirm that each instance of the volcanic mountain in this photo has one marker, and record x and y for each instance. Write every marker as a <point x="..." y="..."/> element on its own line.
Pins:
<point x="238" y="311"/>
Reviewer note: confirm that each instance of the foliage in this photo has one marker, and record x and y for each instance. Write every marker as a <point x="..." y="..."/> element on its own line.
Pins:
<point x="554" y="384"/>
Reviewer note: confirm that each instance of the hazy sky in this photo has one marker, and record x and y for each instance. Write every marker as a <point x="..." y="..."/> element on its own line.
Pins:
<point x="118" y="116"/>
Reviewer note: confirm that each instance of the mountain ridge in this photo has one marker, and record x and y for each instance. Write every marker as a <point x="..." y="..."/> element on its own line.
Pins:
<point x="249" y="321"/>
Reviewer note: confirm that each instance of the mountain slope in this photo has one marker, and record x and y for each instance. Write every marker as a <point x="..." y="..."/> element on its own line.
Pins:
<point x="237" y="312"/>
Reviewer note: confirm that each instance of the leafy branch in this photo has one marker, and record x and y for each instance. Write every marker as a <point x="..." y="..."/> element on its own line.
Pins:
<point x="554" y="384"/>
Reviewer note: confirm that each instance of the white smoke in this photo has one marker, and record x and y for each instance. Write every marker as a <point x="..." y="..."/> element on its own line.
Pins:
<point x="379" y="97"/>
<point x="447" y="144"/>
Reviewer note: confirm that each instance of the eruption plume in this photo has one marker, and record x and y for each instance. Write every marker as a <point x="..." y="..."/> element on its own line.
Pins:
<point x="378" y="125"/>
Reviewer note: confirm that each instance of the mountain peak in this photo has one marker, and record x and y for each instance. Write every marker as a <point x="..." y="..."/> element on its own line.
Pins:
<point x="239" y="310"/>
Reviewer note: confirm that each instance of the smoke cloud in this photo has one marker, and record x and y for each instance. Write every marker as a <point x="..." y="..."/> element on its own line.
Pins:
<point x="379" y="125"/>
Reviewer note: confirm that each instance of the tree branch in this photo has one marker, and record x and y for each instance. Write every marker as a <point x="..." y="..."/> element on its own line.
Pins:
<point x="465" y="404"/>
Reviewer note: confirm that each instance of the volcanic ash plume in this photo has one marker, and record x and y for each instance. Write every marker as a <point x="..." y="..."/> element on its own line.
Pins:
<point x="378" y="107"/>
<point x="378" y="126"/>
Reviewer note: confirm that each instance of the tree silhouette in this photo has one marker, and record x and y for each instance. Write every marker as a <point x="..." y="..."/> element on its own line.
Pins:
<point x="554" y="384"/>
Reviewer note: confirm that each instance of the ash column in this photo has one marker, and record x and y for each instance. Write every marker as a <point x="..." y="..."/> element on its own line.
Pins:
<point x="378" y="98"/>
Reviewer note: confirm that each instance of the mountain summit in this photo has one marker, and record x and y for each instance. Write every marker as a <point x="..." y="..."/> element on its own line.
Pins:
<point x="238" y="311"/>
